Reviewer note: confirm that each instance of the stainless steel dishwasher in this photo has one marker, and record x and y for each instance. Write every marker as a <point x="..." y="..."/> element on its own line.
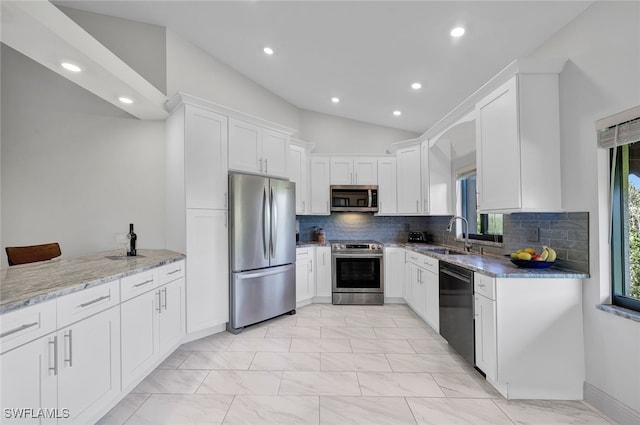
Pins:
<point x="456" y="309"/>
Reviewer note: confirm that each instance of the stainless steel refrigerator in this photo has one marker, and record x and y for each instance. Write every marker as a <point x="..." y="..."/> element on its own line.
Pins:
<point x="262" y="252"/>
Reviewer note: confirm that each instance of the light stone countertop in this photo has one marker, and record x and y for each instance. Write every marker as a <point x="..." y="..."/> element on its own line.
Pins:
<point x="491" y="265"/>
<point x="28" y="284"/>
<point x="306" y="244"/>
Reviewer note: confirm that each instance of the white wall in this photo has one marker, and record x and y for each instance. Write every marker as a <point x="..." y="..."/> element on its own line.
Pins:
<point x="602" y="77"/>
<point x="333" y="134"/>
<point x="193" y="71"/>
<point x="75" y="169"/>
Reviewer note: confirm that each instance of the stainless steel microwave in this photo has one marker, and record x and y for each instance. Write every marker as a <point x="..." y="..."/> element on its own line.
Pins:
<point x="358" y="198"/>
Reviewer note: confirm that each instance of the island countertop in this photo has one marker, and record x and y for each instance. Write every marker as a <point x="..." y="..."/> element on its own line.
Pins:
<point x="28" y="284"/>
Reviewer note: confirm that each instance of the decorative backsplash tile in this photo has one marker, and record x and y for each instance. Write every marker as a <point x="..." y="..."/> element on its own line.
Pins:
<point x="567" y="233"/>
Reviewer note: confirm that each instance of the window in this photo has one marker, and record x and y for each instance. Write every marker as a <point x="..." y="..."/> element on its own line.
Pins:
<point x="486" y="227"/>
<point x="625" y="236"/>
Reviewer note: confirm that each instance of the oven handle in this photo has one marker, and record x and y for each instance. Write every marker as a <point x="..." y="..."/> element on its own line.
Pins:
<point x="334" y="255"/>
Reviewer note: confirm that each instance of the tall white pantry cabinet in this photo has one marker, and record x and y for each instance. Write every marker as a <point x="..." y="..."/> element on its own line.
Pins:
<point x="197" y="210"/>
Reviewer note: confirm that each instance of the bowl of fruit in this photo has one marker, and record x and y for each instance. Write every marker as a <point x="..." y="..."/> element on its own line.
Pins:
<point x="528" y="258"/>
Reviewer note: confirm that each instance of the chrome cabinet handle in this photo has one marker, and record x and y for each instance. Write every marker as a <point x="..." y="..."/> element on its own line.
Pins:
<point x="164" y="291"/>
<point x="226" y="219"/>
<point x="417" y="206"/>
<point x="226" y="200"/>
<point x="266" y="165"/>
<point x="69" y="343"/>
<point x="88" y="303"/>
<point x="175" y="271"/>
<point x="351" y="178"/>
<point x="53" y="343"/>
<point x="18" y="329"/>
<point x="260" y="164"/>
<point x="303" y="206"/>
<point x="141" y="283"/>
<point x="159" y="309"/>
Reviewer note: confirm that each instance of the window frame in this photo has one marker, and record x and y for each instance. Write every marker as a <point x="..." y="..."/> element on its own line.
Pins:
<point x="617" y="252"/>
<point x="483" y="217"/>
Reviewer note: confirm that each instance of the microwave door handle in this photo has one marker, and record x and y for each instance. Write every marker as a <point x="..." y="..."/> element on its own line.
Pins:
<point x="370" y="199"/>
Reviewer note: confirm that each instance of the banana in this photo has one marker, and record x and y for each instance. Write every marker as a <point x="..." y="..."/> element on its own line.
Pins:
<point x="544" y="255"/>
<point x="552" y="254"/>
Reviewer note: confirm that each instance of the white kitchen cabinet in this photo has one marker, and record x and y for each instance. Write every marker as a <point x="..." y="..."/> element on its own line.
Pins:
<point x="431" y="281"/>
<point x="320" y="185"/>
<point x="424" y="174"/>
<point x="441" y="188"/>
<point x="323" y="272"/>
<point x="387" y="186"/>
<point x="393" y="273"/>
<point x="417" y="298"/>
<point x="255" y="149"/>
<point x="299" y="174"/>
<point x="347" y="171"/>
<point x="29" y="379"/>
<point x="205" y="162"/>
<point x="518" y="146"/>
<point x="529" y="341"/>
<point x="207" y="285"/>
<point x="409" y="180"/>
<point x="89" y="365"/>
<point x="152" y="324"/>
<point x="485" y="327"/>
<point x="305" y="282"/>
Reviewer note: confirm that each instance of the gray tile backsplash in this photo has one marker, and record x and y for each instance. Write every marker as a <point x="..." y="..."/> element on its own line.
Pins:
<point x="567" y="233"/>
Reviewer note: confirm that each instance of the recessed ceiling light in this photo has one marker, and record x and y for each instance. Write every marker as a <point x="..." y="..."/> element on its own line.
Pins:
<point x="416" y="86"/>
<point x="457" y="32"/>
<point x="335" y="100"/>
<point x="268" y="50"/>
<point x="126" y="100"/>
<point x="397" y="113"/>
<point x="71" y="67"/>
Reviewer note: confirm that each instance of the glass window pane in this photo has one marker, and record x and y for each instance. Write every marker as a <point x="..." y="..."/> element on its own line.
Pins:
<point x="631" y="214"/>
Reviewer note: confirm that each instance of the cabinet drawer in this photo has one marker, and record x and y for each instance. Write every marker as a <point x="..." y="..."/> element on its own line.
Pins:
<point x="139" y="283"/>
<point x="170" y="272"/>
<point x="429" y="263"/>
<point x="484" y="285"/>
<point x="21" y="326"/>
<point x="82" y="304"/>
<point x="413" y="258"/>
<point x="303" y="253"/>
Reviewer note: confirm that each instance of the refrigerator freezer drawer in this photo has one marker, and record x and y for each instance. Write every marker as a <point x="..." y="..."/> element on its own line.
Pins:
<point x="261" y="294"/>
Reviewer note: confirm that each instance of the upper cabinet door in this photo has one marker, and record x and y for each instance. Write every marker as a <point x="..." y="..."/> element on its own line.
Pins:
<point x="275" y="152"/>
<point x="320" y="182"/>
<point x="424" y="153"/>
<point x="365" y="171"/>
<point x="387" y="190"/>
<point x="205" y="159"/>
<point x="409" y="190"/>
<point x="342" y="171"/>
<point x="298" y="173"/>
<point x="498" y="149"/>
<point x="245" y="147"/>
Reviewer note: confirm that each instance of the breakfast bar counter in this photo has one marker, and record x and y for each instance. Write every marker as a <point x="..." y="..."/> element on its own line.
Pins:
<point x="29" y="284"/>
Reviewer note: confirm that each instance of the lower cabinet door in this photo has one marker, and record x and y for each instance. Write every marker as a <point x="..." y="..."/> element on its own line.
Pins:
<point x="303" y="278"/>
<point x="485" y="329"/>
<point x="432" y="299"/>
<point x="207" y="286"/>
<point x="29" y="381"/>
<point x="89" y="365"/>
<point x="171" y="315"/>
<point x="139" y="336"/>
<point x="323" y="271"/>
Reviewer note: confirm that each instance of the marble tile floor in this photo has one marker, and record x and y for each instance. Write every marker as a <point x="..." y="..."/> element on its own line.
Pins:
<point x="331" y="365"/>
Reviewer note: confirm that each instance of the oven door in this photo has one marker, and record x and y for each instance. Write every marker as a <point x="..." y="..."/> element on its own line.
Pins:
<point x="357" y="272"/>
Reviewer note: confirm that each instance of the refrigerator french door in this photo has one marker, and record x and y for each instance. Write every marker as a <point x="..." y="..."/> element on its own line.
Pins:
<point x="262" y="249"/>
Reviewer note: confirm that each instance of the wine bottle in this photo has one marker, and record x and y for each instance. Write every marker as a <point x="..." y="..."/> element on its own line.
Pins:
<point x="132" y="241"/>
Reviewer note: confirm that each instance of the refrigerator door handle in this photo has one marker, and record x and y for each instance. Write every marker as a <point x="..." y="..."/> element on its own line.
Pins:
<point x="265" y="223"/>
<point x="274" y="224"/>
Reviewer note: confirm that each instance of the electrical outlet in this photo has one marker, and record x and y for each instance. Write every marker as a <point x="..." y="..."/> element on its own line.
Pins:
<point x="533" y="234"/>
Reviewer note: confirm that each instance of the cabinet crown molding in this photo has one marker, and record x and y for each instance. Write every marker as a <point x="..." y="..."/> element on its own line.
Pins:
<point x="181" y="98"/>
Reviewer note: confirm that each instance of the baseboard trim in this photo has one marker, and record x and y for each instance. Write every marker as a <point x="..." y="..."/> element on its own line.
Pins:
<point x="613" y="408"/>
<point x="394" y="300"/>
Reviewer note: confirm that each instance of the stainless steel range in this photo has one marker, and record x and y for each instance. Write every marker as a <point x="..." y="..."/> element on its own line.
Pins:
<point x="358" y="272"/>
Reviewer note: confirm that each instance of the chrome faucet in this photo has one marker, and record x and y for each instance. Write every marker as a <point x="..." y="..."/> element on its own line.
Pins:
<point x="467" y="244"/>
